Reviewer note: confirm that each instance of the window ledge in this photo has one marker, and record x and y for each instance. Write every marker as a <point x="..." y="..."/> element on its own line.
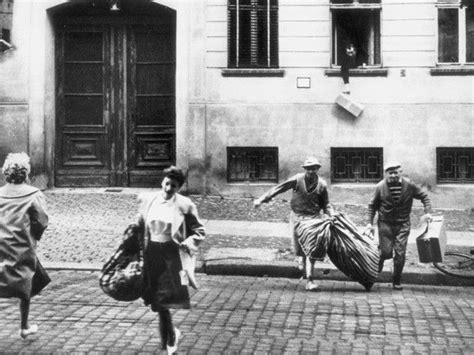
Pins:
<point x="253" y="72"/>
<point x="252" y="183"/>
<point x="452" y="71"/>
<point x="358" y="72"/>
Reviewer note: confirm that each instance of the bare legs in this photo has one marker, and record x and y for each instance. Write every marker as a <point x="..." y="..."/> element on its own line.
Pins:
<point x="166" y="328"/>
<point x="25" y="328"/>
<point x="24" y="312"/>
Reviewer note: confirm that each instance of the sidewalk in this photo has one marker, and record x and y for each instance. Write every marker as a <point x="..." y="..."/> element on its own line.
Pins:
<point x="267" y="262"/>
<point x="264" y="261"/>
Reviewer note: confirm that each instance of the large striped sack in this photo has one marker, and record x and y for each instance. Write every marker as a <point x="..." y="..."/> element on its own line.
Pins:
<point x="352" y="252"/>
<point x="122" y="275"/>
<point x="313" y="236"/>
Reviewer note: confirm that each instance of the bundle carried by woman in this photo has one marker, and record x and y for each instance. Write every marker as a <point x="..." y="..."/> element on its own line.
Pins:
<point x="122" y="275"/>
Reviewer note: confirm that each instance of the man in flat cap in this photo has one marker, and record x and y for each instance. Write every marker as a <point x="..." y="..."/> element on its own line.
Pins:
<point x="310" y="197"/>
<point x="393" y="200"/>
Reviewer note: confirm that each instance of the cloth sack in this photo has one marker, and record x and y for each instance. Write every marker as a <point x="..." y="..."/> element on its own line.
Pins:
<point x="188" y="263"/>
<point x="122" y="275"/>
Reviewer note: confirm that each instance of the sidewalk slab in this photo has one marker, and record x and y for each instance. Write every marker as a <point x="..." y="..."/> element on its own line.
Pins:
<point x="279" y="229"/>
<point x="247" y="228"/>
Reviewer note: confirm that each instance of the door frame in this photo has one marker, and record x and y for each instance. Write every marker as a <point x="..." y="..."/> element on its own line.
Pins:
<point x="117" y="169"/>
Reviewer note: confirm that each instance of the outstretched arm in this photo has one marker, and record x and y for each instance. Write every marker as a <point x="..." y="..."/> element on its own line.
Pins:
<point x="280" y="188"/>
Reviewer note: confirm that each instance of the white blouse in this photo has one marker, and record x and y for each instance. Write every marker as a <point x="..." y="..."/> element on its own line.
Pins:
<point x="160" y="219"/>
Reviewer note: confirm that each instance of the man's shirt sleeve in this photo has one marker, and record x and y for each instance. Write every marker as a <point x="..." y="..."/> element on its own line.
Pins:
<point x="280" y="188"/>
<point x="373" y="207"/>
<point x="419" y="194"/>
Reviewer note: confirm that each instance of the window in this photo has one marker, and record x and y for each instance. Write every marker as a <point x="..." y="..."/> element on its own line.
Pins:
<point x="356" y="22"/>
<point x="455" y="33"/>
<point x="254" y="164"/>
<point x="252" y="34"/>
<point x="356" y="164"/>
<point x="455" y="164"/>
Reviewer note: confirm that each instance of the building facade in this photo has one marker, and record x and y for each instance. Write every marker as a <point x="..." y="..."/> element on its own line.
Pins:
<point x="239" y="92"/>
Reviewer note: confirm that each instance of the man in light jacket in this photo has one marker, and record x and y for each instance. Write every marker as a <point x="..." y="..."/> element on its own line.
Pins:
<point x="393" y="200"/>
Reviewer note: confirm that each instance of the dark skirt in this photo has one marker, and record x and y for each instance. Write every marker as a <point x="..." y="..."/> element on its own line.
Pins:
<point x="163" y="288"/>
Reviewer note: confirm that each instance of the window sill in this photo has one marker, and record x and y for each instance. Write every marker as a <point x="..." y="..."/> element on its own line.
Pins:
<point x="253" y="72"/>
<point x="455" y="183"/>
<point x="252" y="183"/>
<point x="452" y="71"/>
<point x="358" y="72"/>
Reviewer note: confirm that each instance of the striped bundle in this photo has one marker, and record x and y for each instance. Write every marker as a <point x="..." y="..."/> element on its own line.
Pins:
<point x="352" y="252"/>
<point x="313" y="236"/>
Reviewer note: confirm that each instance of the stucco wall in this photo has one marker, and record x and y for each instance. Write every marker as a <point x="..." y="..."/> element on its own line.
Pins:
<point x="408" y="112"/>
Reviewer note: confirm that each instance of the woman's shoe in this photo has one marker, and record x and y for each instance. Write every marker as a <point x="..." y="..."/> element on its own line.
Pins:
<point x="25" y="332"/>
<point x="173" y="348"/>
<point x="311" y="286"/>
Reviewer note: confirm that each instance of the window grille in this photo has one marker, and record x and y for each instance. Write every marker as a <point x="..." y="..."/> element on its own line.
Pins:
<point x="356" y="164"/>
<point x="455" y="164"/>
<point x="253" y="164"/>
<point x="252" y="33"/>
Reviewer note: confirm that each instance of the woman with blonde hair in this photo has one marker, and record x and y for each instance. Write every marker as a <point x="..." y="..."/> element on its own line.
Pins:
<point x="23" y="219"/>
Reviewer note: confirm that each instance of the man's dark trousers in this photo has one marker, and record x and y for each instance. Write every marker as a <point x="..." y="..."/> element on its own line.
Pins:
<point x="393" y="238"/>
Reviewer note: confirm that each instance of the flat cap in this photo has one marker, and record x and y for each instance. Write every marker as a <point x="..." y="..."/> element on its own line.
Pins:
<point x="392" y="165"/>
<point x="311" y="161"/>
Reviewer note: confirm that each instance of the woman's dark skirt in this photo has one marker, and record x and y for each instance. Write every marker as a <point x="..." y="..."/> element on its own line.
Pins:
<point x="163" y="288"/>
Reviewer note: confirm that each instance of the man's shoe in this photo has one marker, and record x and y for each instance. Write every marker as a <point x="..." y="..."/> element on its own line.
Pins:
<point x="171" y="349"/>
<point x="397" y="287"/>
<point x="311" y="286"/>
<point x="25" y="332"/>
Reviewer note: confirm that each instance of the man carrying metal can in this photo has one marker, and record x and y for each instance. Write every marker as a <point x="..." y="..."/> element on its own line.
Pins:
<point x="393" y="200"/>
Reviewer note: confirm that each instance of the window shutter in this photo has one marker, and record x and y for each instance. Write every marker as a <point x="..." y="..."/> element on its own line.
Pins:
<point x="232" y="34"/>
<point x="274" y="63"/>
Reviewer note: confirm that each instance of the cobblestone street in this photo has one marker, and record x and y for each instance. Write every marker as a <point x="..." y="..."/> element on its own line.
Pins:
<point x="244" y="314"/>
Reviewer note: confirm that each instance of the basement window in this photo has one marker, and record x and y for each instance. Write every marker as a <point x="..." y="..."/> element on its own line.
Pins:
<point x="455" y="165"/>
<point x="252" y="164"/>
<point x="356" y="164"/>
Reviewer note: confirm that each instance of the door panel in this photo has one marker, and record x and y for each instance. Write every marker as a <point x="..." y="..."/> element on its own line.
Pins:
<point x="115" y="104"/>
<point x="152" y="103"/>
<point x="82" y="156"/>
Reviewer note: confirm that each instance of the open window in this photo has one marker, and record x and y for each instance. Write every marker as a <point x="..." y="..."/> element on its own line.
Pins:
<point x="356" y="22"/>
<point x="455" y="33"/>
<point x="252" y="34"/>
<point x="6" y="15"/>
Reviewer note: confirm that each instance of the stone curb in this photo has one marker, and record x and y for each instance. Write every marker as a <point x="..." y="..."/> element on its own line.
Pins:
<point x="419" y="276"/>
<point x="279" y="268"/>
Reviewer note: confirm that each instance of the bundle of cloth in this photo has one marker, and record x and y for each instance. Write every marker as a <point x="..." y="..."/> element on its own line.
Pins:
<point x="352" y="252"/>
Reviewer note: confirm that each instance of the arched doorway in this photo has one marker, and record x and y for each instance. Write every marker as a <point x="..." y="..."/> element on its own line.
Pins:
<point x="115" y="92"/>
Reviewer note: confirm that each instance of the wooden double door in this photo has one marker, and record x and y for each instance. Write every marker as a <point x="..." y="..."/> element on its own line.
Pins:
<point x="115" y="102"/>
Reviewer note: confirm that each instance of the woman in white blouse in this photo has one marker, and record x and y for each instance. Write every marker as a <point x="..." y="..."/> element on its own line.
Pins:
<point x="172" y="233"/>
